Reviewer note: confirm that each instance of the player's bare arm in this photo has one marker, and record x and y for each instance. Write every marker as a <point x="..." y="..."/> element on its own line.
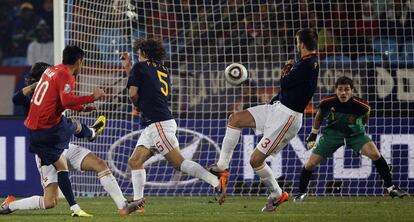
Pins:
<point x="126" y="63"/>
<point x="365" y="118"/>
<point x="29" y="89"/>
<point x="133" y="95"/>
<point x="317" y="121"/>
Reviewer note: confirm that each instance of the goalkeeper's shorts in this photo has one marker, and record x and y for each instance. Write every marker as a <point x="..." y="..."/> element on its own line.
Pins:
<point x="328" y="144"/>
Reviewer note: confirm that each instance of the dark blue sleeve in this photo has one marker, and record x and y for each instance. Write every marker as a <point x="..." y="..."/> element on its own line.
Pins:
<point x="274" y="99"/>
<point x="295" y="76"/>
<point x="134" y="78"/>
<point x="21" y="100"/>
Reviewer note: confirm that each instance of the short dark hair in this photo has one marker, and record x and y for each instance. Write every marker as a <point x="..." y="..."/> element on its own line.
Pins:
<point x="309" y="37"/>
<point x="152" y="48"/>
<point x="35" y="73"/>
<point x="344" y="80"/>
<point x="71" y="54"/>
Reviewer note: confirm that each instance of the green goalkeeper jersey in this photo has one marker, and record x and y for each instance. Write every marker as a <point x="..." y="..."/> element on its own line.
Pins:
<point x="345" y="119"/>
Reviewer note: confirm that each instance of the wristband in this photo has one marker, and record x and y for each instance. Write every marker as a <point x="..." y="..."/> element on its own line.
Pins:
<point x="315" y="131"/>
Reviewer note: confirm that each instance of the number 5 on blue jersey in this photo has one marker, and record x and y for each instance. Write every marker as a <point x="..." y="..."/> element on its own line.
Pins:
<point x="162" y="75"/>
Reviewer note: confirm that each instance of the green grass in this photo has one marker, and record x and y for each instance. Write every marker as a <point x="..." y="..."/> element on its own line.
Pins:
<point x="234" y="209"/>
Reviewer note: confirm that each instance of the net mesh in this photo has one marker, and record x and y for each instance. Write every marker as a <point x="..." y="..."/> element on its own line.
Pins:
<point x="369" y="41"/>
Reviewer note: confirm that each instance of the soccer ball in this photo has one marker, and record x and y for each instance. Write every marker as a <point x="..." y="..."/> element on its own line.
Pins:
<point x="235" y="74"/>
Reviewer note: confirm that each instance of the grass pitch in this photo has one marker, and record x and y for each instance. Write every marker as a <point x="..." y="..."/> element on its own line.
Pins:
<point x="199" y="209"/>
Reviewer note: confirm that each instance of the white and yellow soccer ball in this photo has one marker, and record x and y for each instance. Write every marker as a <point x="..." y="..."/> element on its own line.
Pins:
<point x="235" y="74"/>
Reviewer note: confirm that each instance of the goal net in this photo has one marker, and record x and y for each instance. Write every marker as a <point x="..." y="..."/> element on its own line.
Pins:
<point x="369" y="41"/>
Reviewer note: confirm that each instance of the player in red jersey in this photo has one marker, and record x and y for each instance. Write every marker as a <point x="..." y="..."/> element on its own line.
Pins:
<point x="50" y="131"/>
<point x="78" y="158"/>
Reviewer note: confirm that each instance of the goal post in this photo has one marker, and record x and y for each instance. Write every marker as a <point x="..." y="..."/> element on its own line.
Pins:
<point x="366" y="41"/>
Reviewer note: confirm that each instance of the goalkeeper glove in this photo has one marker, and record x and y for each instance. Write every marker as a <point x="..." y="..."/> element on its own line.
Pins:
<point x="311" y="141"/>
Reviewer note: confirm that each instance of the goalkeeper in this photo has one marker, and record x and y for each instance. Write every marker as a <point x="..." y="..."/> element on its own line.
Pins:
<point x="346" y="116"/>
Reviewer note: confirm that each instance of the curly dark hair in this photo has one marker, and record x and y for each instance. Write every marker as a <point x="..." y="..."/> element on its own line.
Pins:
<point x="152" y="48"/>
<point x="35" y="73"/>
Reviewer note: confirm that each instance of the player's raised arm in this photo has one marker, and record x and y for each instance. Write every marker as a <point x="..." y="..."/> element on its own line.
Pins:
<point x="21" y="97"/>
<point x="71" y="101"/>
<point x="126" y="63"/>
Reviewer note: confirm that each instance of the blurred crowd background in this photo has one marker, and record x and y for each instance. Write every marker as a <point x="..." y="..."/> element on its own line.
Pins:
<point x="262" y="29"/>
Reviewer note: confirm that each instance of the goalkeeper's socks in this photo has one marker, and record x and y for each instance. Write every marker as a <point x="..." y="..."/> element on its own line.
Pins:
<point x="384" y="171"/>
<point x="66" y="187"/>
<point x="231" y="138"/>
<point x="85" y="132"/>
<point x="194" y="169"/>
<point x="266" y="176"/>
<point x="109" y="183"/>
<point x="305" y="177"/>
<point x="138" y="178"/>
<point x="30" y="203"/>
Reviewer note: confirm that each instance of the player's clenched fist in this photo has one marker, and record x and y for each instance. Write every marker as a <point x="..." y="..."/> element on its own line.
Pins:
<point x="98" y="93"/>
<point x="288" y="66"/>
<point x="311" y="140"/>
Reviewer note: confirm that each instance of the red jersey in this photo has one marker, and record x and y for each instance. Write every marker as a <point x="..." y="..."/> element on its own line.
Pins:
<point x="54" y="94"/>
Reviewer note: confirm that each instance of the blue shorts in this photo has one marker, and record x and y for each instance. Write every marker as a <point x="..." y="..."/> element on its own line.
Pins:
<point x="49" y="144"/>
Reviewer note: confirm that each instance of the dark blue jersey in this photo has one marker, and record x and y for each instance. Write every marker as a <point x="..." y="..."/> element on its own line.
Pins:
<point x="299" y="84"/>
<point x="153" y="82"/>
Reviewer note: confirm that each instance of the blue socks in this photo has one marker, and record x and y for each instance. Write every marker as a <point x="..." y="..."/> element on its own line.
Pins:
<point x="66" y="187"/>
<point x="85" y="132"/>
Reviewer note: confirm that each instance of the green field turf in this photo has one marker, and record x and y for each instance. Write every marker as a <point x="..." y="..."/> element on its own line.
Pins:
<point x="199" y="209"/>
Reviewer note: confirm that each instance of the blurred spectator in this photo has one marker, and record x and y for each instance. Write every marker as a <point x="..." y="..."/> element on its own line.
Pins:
<point x="282" y="43"/>
<point x="230" y="22"/>
<point x="398" y="19"/>
<point x="46" y="13"/>
<point x="41" y="49"/>
<point x="5" y="34"/>
<point x="162" y="21"/>
<point x="257" y="24"/>
<point x="326" y="42"/>
<point x="23" y="29"/>
<point x="14" y="7"/>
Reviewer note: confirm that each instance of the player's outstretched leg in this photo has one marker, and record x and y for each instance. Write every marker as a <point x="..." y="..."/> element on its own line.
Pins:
<point x="196" y="170"/>
<point x="91" y="162"/>
<point x="92" y="132"/>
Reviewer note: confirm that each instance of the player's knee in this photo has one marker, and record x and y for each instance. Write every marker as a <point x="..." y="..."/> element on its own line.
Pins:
<point x="374" y="155"/>
<point x="233" y="120"/>
<point x="176" y="166"/>
<point x="135" y="162"/>
<point x="310" y="165"/>
<point x="255" y="162"/>
<point x="101" y="165"/>
<point x="50" y="202"/>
